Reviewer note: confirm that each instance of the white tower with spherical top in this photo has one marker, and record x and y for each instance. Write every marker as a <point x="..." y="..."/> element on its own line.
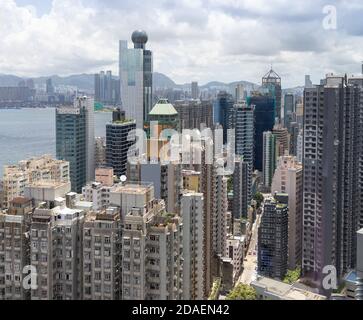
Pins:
<point x="136" y="68"/>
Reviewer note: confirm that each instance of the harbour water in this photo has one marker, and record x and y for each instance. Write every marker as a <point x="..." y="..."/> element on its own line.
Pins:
<point x="26" y="133"/>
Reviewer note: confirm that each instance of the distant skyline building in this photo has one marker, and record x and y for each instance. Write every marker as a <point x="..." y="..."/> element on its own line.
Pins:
<point x="222" y="112"/>
<point x="49" y="87"/>
<point x="289" y="109"/>
<point x="75" y="140"/>
<point x="195" y="90"/>
<point x="264" y="112"/>
<point x="272" y="82"/>
<point x="136" y="70"/>
<point x="240" y="93"/>
<point x="194" y="114"/>
<point x="107" y="89"/>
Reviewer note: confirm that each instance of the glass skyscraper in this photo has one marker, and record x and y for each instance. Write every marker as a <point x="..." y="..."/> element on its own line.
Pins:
<point x="136" y="69"/>
<point x="272" y="82"/>
<point x="264" y="121"/>
<point x="75" y="141"/>
<point x="222" y="111"/>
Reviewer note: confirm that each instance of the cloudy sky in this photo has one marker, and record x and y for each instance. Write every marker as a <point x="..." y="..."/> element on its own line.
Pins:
<point x="203" y="40"/>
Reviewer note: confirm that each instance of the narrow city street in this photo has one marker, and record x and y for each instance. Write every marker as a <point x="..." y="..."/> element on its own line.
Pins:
<point x="250" y="265"/>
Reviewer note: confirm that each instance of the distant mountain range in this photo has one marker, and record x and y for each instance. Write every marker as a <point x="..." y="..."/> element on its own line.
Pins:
<point x="160" y="81"/>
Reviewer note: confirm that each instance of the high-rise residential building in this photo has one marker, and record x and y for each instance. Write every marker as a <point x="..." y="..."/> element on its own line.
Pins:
<point x="194" y="277"/>
<point x="46" y="192"/>
<point x="294" y="133"/>
<point x="264" y="112"/>
<point x="243" y="123"/>
<point x="219" y="214"/>
<point x="222" y="112"/>
<point x="269" y="157"/>
<point x="359" y="267"/>
<point x="151" y="246"/>
<point x="14" y="249"/>
<point x="17" y="177"/>
<point x="300" y="146"/>
<point x="159" y="170"/>
<point x="129" y="195"/>
<point x="166" y="179"/>
<point x="208" y="189"/>
<point x="101" y="269"/>
<point x="241" y="188"/>
<point x="136" y="69"/>
<point x="288" y="178"/>
<point x="98" y="194"/>
<point x="56" y="253"/>
<point x="289" y="109"/>
<point x="332" y="181"/>
<point x="272" y="81"/>
<point x="282" y="140"/>
<point x="242" y="119"/>
<point x="120" y="136"/>
<point x="194" y="90"/>
<point x="194" y="114"/>
<point x="100" y="152"/>
<point x="107" y="89"/>
<point x="75" y="140"/>
<point x="273" y="239"/>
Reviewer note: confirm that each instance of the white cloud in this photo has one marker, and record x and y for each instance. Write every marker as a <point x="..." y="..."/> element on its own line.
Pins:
<point x="192" y="40"/>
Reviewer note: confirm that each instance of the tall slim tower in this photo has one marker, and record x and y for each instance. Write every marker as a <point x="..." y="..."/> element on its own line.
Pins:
<point x="195" y="90"/>
<point x="272" y="82"/>
<point x="332" y="176"/>
<point x="243" y="123"/>
<point x="136" y="69"/>
<point x="269" y="157"/>
<point x="75" y="140"/>
<point x="117" y="143"/>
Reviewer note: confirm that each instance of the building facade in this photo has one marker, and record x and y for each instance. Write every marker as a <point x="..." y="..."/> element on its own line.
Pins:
<point x="135" y="70"/>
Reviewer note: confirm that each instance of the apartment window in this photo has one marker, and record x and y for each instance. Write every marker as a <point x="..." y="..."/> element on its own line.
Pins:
<point x="107" y="276"/>
<point x="107" y="288"/>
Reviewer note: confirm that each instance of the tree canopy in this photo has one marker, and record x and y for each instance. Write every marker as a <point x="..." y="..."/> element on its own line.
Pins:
<point x="292" y="275"/>
<point x="258" y="197"/>
<point x="242" y="292"/>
